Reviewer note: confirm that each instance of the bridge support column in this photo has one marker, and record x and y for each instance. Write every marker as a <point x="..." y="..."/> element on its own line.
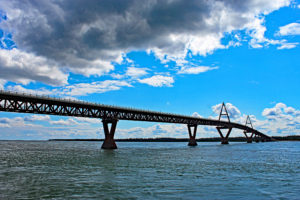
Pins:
<point x="249" y="138"/>
<point x="109" y="142"/>
<point x="192" y="134"/>
<point x="256" y="139"/>
<point x="268" y="139"/>
<point x="224" y="140"/>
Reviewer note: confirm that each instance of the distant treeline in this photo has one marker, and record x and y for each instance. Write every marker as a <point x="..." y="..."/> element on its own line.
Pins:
<point x="214" y="139"/>
<point x="285" y="138"/>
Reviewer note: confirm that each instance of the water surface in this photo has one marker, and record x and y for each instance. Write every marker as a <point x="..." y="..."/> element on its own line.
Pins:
<point x="137" y="170"/>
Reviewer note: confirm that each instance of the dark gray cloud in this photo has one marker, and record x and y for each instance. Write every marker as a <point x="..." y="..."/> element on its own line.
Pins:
<point x="83" y="35"/>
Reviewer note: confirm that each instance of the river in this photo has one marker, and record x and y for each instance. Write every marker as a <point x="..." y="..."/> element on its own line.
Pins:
<point x="149" y="170"/>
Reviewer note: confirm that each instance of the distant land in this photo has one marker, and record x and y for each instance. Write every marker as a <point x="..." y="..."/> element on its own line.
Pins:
<point x="213" y="139"/>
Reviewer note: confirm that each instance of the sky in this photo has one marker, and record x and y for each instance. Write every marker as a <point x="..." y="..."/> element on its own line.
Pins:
<point x="176" y="56"/>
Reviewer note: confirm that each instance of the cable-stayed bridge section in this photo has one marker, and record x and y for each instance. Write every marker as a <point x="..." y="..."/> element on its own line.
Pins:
<point x="25" y="103"/>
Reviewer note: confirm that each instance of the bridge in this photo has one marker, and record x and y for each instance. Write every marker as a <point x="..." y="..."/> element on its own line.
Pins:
<point x="26" y="103"/>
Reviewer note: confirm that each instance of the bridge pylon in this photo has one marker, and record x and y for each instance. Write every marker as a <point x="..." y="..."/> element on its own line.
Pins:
<point x="223" y="112"/>
<point x="192" y="134"/>
<point x="248" y="123"/>
<point x="109" y="141"/>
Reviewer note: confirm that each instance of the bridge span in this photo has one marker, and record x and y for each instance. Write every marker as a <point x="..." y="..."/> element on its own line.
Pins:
<point x="26" y="103"/>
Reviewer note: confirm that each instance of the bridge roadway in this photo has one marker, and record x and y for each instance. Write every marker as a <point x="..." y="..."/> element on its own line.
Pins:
<point x="26" y="103"/>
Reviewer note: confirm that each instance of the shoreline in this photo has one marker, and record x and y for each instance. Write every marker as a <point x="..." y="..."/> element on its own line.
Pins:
<point x="214" y="139"/>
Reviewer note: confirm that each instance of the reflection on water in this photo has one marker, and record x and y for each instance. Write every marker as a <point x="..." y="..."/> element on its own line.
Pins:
<point x="149" y="170"/>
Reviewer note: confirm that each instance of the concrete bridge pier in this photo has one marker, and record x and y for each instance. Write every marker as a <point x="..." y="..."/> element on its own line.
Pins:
<point x="192" y="134"/>
<point x="109" y="142"/>
<point x="249" y="138"/>
<point x="224" y="140"/>
<point x="269" y="140"/>
<point x="256" y="138"/>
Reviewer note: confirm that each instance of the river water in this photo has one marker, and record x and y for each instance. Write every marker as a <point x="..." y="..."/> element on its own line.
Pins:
<point x="154" y="170"/>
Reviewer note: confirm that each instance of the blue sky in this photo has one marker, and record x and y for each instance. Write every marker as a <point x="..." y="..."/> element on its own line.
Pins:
<point x="172" y="56"/>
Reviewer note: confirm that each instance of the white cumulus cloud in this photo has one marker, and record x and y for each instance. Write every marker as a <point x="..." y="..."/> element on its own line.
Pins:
<point x="290" y="45"/>
<point x="136" y="72"/>
<point x="33" y="118"/>
<point x="158" y="81"/>
<point x="68" y="122"/>
<point x="195" y="70"/>
<point x="275" y="111"/>
<point x="290" y="29"/>
<point x="233" y="111"/>
<point x="79" y="89"/>
<point x="94" y="87"/>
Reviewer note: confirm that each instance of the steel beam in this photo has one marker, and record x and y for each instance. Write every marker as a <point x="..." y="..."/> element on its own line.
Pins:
<point x="24" y="103"/>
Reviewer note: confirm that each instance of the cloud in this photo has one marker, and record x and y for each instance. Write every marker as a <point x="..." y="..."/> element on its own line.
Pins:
<point x="34" y="118"/>
<point x="256" y="30"/>
<point x="41" y="91"/>
<point x="233" y="111"/>
<point x="280" y="110"/>
<point x="288" y="45"/>
<point x="206" y="44"/>
<point x="4" y="120"/>
<point x="79" y="89"/>
<point x="16" y="122"/>
<point x="24" y="68"/>
<point x="275" y="111"/>
<point x="280" y="120"/>
<point x="86" y="38"/>
<point x="88" y="120"/>
<point x="2" y="83"/>
<point x="157" y="130"/>
<point x="4" y="123"/>
<point x="68" y="122"/>
<point x="289" y="29"/>
<point x="195" y="114"/>
<point x="158" y="81"/>
<point x="136" y="72"/>
<point x="17" y="128"/>
<point x="195" y="70"/>
<point x="95" y="87"/>
<point x="289" y="110"/>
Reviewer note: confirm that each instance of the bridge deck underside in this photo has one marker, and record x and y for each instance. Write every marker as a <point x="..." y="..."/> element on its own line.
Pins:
<point x="10" y="102"/>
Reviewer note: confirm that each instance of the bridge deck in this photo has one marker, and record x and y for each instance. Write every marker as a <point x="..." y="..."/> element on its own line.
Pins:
<point x="24" y="103"/>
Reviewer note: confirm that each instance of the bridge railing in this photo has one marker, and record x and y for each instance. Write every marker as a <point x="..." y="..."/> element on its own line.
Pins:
<point x="77" y="101"/>
<point x="123" y="109"/>
<point x="110" y="113"/>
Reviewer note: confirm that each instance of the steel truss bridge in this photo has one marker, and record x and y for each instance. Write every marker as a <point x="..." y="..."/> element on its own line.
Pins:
<point x="25" y="103"/>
